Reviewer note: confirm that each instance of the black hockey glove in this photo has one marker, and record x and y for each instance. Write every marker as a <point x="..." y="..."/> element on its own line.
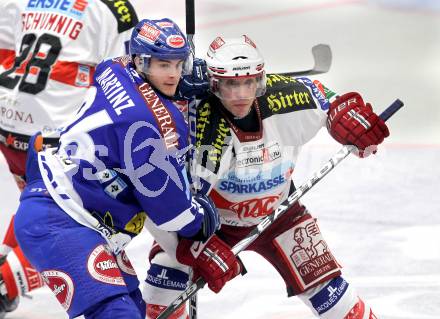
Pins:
<point x="195" y="84"/>
<point x="211" y="218"/>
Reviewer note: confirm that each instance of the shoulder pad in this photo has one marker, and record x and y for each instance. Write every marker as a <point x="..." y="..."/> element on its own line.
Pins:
<point x="285" y="95"/>
<point x="124" y="13"/>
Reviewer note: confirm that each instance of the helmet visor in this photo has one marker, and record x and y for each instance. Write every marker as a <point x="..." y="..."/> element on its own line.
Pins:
<point x="238" y="88"/>
<point x="165" y="66"/>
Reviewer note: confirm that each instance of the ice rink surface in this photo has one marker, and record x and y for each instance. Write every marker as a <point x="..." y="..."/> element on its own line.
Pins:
<point x="380" y="215"/>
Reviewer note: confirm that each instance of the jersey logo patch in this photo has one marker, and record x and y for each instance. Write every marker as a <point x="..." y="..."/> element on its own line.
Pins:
<point x="83" y="76"/>
<point x="329" y="296"/>
<point x="318" y="92"/>
<point x="167" y="278"/>
<point x="307" y="254"/>
<point x="161" y="113"/>
<point x="255" y="208"/>
<point x="258" y="155"/>
<point x="124" y="14"/>
<point x="136" y="223"/>
<point x="103" y="267"/>
<point x="61" y="285"/>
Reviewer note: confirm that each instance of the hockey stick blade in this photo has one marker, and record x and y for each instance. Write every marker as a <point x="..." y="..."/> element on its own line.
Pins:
<point x="322" y="56"/>
<point x="281" y="209"/>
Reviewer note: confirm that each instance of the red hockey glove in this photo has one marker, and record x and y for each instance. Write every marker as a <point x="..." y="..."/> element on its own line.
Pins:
<point x="351" y="121"/>
<point x="213" y="261"/>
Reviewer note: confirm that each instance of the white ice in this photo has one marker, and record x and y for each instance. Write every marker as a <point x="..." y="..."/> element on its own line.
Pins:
<point x="380" y="215"/>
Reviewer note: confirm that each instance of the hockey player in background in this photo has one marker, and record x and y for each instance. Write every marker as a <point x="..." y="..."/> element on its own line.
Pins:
<point x="120" y="162"/>
<point x="48" y="54"/>
<point x="248" y="141"/>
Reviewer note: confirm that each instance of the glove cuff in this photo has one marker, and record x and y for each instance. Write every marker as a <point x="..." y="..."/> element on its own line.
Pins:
<point x="188" y="251"/>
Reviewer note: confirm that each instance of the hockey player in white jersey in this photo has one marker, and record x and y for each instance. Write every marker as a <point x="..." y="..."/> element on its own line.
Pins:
<point x="48" y="54"/>
<point x="120" y="161"/>
<point x="249" y="133"/>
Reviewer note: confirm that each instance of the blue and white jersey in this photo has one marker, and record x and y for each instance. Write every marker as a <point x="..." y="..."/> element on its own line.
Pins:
<point x="122" y="158"/>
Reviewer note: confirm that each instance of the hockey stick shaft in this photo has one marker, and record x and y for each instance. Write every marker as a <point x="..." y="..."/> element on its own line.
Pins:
<point x="190" y="22"/>
<point x="281" y="209"/>
<point x="190" y="31"/>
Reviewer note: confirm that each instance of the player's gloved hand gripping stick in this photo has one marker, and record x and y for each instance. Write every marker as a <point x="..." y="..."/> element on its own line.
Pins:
<point x="282" y="208"/>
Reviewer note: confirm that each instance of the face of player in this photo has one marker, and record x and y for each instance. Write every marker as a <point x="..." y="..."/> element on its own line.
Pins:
<point x="165" y="75"/>
<point x="238" y="94"/>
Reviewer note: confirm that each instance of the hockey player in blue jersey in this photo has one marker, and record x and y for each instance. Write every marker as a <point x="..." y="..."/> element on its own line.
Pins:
<point x="120" y="163"/>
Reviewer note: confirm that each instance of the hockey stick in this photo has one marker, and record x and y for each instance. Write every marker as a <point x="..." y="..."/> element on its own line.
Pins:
<point x="282" y="208"/>
<point x="322" y="57"/>
<point x="190" y="31"/>
<point x="190" y="22"/>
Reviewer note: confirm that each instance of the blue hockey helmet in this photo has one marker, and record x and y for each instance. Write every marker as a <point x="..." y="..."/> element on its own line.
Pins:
<point x="161" y="39"/>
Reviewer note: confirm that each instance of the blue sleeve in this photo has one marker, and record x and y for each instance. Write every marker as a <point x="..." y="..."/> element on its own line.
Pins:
<point x="160" y="179"/>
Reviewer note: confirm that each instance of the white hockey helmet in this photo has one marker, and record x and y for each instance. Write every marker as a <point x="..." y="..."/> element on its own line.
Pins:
<point x="231" y="58"/>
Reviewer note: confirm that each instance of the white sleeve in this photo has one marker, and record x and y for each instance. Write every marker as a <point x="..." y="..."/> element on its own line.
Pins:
<point x="168" y="241"/>
<point x="297" y="108"/>
<point x="10" y="12"/>
<point x="118" y="20"/>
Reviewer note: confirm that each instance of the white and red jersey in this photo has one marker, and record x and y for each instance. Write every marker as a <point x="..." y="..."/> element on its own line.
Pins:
<point x="248" y="173"/>
<point x="49" y="50"/>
